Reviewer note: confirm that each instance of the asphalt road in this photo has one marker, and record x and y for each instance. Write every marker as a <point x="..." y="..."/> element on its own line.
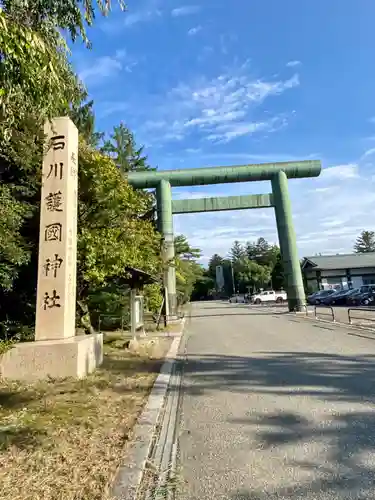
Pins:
<point x="275" y="407"/>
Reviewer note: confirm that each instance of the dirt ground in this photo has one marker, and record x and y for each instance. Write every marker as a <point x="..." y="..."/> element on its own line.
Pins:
<point x="64" y="439"/>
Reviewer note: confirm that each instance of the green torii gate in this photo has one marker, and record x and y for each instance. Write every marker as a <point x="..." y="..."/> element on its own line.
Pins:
<point x="277" y="173"/>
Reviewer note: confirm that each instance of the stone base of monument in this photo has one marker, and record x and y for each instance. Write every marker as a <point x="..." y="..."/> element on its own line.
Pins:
<point x="73" y="357"/>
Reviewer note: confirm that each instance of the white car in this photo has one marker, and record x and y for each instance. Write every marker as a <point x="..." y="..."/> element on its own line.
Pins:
<point x="270" y="296"/>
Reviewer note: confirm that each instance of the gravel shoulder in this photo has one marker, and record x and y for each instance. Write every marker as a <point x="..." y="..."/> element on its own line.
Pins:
<point x="65" y="439"/>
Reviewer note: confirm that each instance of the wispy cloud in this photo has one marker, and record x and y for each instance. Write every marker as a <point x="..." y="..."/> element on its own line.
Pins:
<point x="115" y="24"/>
<point x="293" y="64"/>
<point x="222" y="108"/>
<point x="141" y="17"/>
<point x="95" y="71"/>
<point x="349" y="171"/>
<point x="185" y="10"/>
<point x="194" y="31"/>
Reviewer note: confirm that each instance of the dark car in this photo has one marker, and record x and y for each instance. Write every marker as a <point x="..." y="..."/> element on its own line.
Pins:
<point x="331" y="299"/>
<point x="311" y="296"/>
<point x="320" y="296"/>
<point x="351" y="299"/>
<point x="365" y="297"/>
<point x="342" y="299"/>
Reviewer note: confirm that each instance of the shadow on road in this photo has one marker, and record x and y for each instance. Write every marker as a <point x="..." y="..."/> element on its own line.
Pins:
<point x="329" y="376"/>
<point x="347" y="471"/>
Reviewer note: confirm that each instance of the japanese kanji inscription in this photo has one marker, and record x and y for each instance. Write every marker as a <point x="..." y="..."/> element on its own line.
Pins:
<point x="56" y="294"/>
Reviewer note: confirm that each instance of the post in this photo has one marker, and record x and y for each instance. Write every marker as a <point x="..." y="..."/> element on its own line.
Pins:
<point x="56" y="290"/>
<point x="165" y="226"/>
<point x="133" y="313"/>
<point x="288" y="242"/>
<point x="232" y="273"/>
<point x="57" y="351"/>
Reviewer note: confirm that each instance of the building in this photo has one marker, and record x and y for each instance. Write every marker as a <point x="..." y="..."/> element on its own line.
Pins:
<point x="338" y="271"/>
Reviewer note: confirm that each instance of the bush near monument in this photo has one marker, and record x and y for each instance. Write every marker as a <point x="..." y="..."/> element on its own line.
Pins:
<point x="116" y="226"/>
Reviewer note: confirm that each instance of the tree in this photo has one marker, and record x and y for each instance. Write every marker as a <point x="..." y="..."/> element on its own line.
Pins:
<point x="252" y="274"/>
<point x="262" y="252"/>
<point x="13" y="250"/>
<point x="37" y="82"/>
<point x="216" y="260"/>
<point x="183" y="249"/>
<point x="277" y="274"/>
<point x="365" y="242"/>
<point x="36" y="77"/>
<point x="122" y="148"/>
<point x="82" y="114"/>
<point x="237" y="252"/>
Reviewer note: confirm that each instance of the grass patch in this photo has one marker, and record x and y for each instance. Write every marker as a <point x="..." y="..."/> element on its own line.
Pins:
<point x="64" y="439"/>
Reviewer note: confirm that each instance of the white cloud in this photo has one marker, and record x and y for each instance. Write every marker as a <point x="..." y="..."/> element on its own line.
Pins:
<point x="222" y="108"/>
<point x="104" y="67"/>
<point x="293" y="64"/>
<point x="115" y="23"/>
<point x="194" y="31"/>
<point x="369" y="152"/>
<point x="349" y="171"/>
<point x="185" y="10"/>
<point x="139" y="17"/>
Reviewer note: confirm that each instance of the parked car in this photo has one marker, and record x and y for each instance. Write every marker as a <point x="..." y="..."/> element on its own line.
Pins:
<point x="318" y="297"/>
<point x="331" y="299"/>
<point x="365" y="296"/>
<point x="337" y="298"/>
<point x="311" y="296"/>
<point x="351" y="300"/>
<point x="341" y="298"/>
<point x="270" y="296"/>
<point x="237" y="299"/>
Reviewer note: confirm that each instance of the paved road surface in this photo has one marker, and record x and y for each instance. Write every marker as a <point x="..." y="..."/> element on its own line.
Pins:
<point x="276" y="407"/>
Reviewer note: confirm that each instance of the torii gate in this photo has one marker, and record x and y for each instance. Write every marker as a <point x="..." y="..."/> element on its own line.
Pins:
<point x="277" y="173"/>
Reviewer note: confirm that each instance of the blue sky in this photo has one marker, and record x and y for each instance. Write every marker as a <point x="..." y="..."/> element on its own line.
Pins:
<point x="205" y="84"/>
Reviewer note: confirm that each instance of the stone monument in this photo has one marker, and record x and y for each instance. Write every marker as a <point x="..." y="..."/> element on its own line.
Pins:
<point x="57" y="351"/>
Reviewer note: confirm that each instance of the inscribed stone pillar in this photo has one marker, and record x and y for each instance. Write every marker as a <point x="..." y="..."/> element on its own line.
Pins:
<point x="56" y="291"/>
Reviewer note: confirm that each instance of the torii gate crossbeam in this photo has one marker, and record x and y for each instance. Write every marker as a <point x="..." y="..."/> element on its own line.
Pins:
<point x="277" y="173"/>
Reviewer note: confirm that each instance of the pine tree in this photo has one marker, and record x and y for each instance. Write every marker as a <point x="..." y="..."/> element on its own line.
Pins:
<point x="365" y="242"/>
<point x="84" y="119"/>
<point x="237" y="252"/>
<point x="122" y="148"/>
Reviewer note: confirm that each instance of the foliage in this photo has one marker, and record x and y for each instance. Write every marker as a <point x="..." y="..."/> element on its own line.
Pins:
<point x="251" y="266"/>
<point x="115" y="223"/>
<point x="111" y="236"/>
<point x="188" y="271"/>
<point x="237" y="252"/>
<point x="13" y="251"/>
<point x="365" y="242"/>
<point x="184" y="250"/>
<point x="65" y="14"/>
<point x="250" y="273"/>
<point x="122" y="148"/>
<point x="82" y="115"/>
<point x="34" y="72"/>
<point x="217" y="260"/>
<point x="262" y="252"/>
<point x="153" y="297"/>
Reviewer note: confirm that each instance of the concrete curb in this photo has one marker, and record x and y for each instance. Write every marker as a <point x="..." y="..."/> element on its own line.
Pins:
<point x="129" y="476"/>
